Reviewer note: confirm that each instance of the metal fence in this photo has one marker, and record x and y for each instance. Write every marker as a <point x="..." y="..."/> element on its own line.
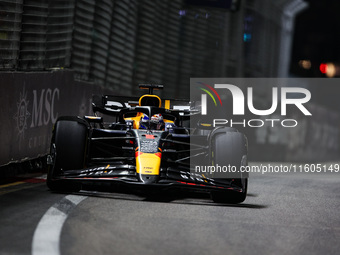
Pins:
<point x="35" y="34"/>
<point x="10" y="28"/>
<point x="118" y="43"/>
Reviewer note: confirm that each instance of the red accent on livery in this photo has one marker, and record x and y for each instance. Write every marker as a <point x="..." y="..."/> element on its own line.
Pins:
<point x="138" y="153"/>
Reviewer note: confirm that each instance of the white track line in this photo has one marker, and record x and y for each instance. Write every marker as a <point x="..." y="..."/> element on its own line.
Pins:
<point x="47" y="234"/>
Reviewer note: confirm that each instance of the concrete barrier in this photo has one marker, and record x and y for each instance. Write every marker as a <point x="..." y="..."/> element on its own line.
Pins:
<point x="31" y="103"/>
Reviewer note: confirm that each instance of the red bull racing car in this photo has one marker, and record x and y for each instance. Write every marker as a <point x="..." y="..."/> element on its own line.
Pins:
<point x="149" y="143"/>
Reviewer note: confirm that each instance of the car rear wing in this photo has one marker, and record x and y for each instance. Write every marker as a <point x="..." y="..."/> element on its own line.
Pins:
<point x="112" y="105"/>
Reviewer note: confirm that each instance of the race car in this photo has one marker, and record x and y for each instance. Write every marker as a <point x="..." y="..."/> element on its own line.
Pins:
<point x="146" y="143"/>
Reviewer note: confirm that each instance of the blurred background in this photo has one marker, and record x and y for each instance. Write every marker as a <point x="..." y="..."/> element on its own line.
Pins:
<point x="316" y="51"/>
<point x="118" y="44"/>
<point x="55" y="54"/>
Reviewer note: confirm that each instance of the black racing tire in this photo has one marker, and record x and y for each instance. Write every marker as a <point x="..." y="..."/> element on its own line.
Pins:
<point x="230" y="197"/>
<point x="230" y="148"/>
<point x="68" y="150"/>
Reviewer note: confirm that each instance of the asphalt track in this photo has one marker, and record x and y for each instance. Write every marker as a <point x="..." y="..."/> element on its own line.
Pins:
<point x="283" y="214"/>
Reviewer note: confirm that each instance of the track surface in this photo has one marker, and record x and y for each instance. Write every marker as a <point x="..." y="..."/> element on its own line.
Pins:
<point x="283" y="214"/>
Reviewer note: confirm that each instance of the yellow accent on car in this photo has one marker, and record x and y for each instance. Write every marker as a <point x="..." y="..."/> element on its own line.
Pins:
<point x="167" y="104"/>
<point x="93" y="117"/>
<point x="148" y="163"/>
<point x="135" y="120"/>
<point x="150" y="100"/>
<point x="168" y="121"/>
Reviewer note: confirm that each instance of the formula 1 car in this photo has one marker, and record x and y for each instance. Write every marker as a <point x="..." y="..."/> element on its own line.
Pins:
<point x="147" y="144"/>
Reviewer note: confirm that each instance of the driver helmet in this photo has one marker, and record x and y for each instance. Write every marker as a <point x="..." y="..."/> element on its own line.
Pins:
<point x="144" y="122"/>
<point x="156" y="122"/>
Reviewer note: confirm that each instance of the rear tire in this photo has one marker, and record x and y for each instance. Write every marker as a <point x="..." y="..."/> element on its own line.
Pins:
<point x="68" y="150"/>
<point x="230" y="148"/>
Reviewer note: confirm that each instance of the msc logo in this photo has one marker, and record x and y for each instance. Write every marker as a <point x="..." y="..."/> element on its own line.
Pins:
<point x="22" y="114"/>
<point x="239" y="99"/>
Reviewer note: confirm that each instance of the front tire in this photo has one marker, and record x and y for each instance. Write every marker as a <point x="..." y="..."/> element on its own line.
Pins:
<point x="230" y="148"/>
<point x="68" y="150"/>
